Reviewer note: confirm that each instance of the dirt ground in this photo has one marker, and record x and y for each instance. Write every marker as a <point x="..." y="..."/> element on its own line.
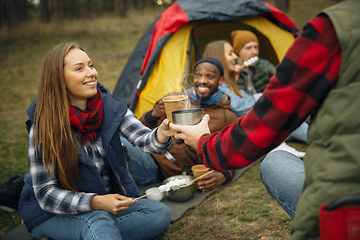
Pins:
<point x="243" y="210"/>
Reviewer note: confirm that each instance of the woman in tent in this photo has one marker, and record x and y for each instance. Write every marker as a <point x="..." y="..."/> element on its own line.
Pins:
<point x="241" y="102"/>
<point x="79" y="186"/>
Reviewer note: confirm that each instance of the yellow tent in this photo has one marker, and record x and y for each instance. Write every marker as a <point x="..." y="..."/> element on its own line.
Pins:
<point x="179" y="36"/>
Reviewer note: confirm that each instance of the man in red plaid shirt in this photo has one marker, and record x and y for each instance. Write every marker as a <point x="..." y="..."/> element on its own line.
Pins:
<point x="319" y="76"/>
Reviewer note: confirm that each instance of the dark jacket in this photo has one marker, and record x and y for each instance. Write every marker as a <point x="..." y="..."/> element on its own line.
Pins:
<point x="90" y="178"/>
<point x="261" y="74"/>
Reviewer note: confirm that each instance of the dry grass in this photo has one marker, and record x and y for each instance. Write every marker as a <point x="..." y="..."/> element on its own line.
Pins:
<point x="109" y="41"/>
<point x="243" y="210"/>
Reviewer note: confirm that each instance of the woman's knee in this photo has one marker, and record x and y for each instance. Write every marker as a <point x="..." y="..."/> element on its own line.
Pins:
<point x="151" y="216"/>
<point x="161" y="213"/>
<point x="99" y="222"/>
<point x="100" y="215"/>
<point x="164" y="219"/>
<point x="166" y="212"/>
<point x="160" y="209"/>
<point x="97" y="219"/>
<point x="90" y="225"/>
<point x="27" y="177"/>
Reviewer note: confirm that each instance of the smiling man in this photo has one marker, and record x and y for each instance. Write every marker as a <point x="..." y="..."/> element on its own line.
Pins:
<point x="208" y="75"/>
<point x="146" y="168"/>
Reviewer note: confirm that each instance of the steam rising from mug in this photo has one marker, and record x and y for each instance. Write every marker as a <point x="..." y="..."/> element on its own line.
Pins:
<point x="174" y="103"/>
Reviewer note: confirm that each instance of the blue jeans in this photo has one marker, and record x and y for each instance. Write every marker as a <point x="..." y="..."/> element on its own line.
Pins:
<point x="143" y="167"/>
<point x="301" y="132"/>
<point x="283" y="176"/>
<point x="147" y="219"/>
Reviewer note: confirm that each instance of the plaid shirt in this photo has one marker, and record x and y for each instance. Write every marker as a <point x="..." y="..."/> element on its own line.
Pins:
<point x="55" y="199"/>
<point x="303" y="79"/>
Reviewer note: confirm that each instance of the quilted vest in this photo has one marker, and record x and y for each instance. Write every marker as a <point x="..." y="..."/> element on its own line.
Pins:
<point x="332" y="161"/>
<point x="90" y="178"/>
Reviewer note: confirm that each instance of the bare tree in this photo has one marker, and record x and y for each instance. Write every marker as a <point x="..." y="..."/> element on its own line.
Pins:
<point x="283" y="5"/>
<point x="148" y="3"/>
<point x="22" y="10"/>
<point x="60" y="9"/>
<point x="122" y="6"/>
<point x="90" y="8"/>
<point x="2" y="13"/>
<point x="44" y="11"/>
<point x="70" y="8"/>
<point x="11" y="10"/>
<point x="136" y="4"/>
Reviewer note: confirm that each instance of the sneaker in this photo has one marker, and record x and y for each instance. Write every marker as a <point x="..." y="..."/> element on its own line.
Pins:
<point x="10" y="192"/>
<point x="289" y="149"/>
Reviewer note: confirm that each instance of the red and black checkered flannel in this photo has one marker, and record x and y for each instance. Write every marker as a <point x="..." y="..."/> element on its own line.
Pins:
<point x="303" y="79"/>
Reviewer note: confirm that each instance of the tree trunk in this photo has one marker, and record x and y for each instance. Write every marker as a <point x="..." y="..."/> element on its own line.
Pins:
<point x="136" y="4"/>
<point x="283" y="5"/>
<point x="122" y="7"/>
<point x="70" y="8"/>
<point x="2" y="13"/>
<point x="89" y="8"/>
<point x="22" y="10"/>
<point x="44" y="10"/>
<point x="51" y="4"/>
<point x="60" y="9"/>
<point x="11" y="9"/>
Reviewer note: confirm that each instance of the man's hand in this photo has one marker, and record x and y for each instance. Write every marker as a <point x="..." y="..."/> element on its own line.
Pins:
<point x="159" y="110"/>
<point x="213" y="180"/>
<point x="192" y="133"/>
<point x="112" y="203"/>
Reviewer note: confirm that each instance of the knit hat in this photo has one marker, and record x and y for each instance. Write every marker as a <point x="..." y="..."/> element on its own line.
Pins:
<point x="242" y="37"/>
<point x="211" y="60"/>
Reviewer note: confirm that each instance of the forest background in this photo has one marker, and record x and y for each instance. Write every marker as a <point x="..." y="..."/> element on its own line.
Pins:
<point x="109" y="31"/>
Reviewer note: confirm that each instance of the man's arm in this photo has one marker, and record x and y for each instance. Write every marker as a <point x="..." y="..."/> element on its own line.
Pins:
<point x="155" y="116"/>
<point x="303" y="79"/>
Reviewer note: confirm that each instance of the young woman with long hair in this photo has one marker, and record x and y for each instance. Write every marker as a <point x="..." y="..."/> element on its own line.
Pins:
<point x="79" y="187"/>
<point x="241" y="102"/>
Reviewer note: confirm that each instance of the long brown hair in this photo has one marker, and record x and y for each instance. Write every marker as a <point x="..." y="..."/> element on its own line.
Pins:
<point x="216" y="49"/>
<point x="52" y="129"/>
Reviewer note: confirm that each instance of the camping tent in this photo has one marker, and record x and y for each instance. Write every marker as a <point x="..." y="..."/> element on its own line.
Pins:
<point x="163" y="58"/>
